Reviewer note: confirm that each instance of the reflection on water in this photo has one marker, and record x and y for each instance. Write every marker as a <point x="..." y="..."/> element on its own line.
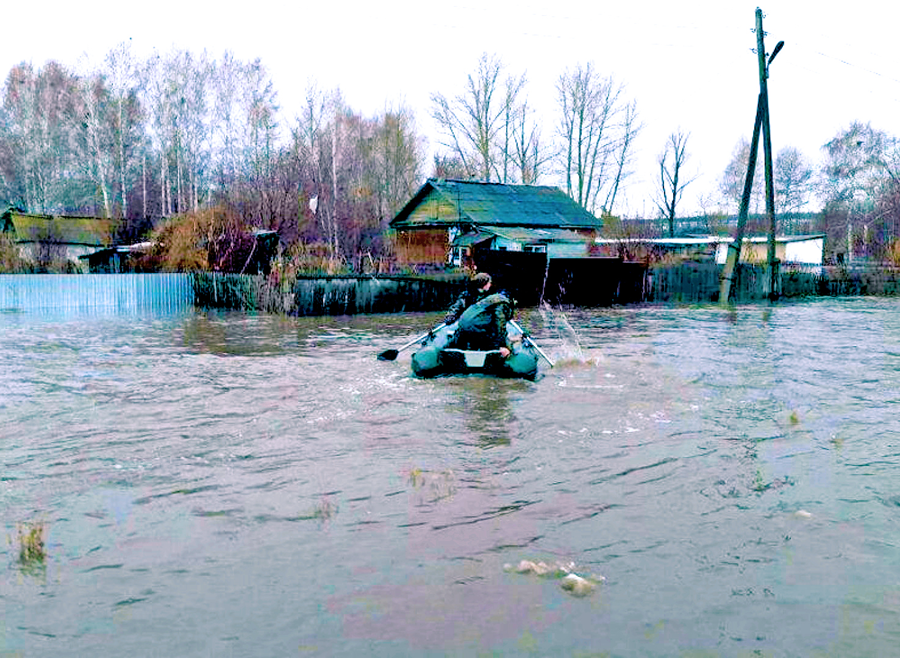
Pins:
<point x="225" y="484"/>
<point x="485" y="406"/>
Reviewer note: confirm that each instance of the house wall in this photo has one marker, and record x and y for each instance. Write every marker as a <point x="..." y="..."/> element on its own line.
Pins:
<point x="552" y="249"/>
<point x="67" y="252"/>
<point x="422" y="247"/>
<point x="567" y="249"/>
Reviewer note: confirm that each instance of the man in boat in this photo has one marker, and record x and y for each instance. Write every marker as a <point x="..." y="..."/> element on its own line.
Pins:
<point x="482" y="317"/>
<point x="477" y="289"/>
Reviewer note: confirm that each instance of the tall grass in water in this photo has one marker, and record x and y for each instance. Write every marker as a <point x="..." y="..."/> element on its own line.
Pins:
<point x="30" y="539"/>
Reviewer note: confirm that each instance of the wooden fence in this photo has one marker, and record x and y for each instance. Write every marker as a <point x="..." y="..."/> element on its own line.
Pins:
<point x="326" y="295"/>
<point x="699" y="282"/>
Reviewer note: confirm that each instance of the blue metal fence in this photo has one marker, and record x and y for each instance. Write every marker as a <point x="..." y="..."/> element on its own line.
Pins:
<point x="96" y="292"/>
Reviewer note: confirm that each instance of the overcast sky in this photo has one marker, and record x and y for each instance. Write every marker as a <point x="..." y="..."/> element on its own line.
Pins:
<point x="689" y="64"/>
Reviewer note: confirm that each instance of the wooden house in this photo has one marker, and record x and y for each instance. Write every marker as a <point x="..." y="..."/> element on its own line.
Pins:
<point x="42" y="239"/>
<point x="447" y="221"/>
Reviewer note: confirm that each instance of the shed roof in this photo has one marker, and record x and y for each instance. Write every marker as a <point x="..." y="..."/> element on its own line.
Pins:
<point x="495" y="204"/>
<point x="518" y="234"/>
<point x="28" y="227"/>
<point x="709" y="239"/>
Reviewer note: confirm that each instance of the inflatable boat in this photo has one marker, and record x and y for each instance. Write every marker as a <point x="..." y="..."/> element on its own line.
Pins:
<point x="436" y="358"/>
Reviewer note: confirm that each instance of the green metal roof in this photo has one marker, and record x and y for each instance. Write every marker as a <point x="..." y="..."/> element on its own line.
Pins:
<point x="27" y="227"/>
<point x="495" y="204"/>
<point x="537" y="234"/>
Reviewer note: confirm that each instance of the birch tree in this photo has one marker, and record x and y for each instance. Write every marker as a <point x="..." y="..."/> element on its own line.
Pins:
<point x="225" y="89"/>
<point x="623" y="155"/>
<point x="176" y="94"/>
<point x="41" y="135"/>
<point x="96" y="134"/>
<point x="121" y="81"/>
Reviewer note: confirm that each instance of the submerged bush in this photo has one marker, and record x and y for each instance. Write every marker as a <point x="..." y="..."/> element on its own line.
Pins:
<point x="10" y="260"/>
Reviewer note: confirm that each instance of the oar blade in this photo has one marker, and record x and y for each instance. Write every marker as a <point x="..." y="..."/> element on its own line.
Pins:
<point x="388" y="355"/>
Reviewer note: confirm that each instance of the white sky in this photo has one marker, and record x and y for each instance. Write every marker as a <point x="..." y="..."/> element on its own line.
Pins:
<point x="688" y="64"/>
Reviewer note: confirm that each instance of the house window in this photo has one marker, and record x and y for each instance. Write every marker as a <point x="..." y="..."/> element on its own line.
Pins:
<point x="535" y="249"/>
<point x="456" y="255"/>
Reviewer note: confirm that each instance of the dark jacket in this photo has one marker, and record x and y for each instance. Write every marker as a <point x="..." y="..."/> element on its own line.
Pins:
<point x="463" y="302"/>
<point x="482" y="326"/>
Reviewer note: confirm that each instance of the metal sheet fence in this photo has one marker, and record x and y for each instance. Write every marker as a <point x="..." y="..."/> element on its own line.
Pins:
<point x="96" y="292"/>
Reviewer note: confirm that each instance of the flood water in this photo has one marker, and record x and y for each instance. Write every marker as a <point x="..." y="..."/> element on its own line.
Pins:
<point x="216" y="484"/>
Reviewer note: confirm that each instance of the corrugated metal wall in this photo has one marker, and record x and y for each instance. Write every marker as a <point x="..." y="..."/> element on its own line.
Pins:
<point x="114" y="292"/>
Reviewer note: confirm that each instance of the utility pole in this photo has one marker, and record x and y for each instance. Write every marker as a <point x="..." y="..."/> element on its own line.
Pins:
<point x="734" y="249"/>
<point x="761" y="124"/>
<point x="767" y="149"/>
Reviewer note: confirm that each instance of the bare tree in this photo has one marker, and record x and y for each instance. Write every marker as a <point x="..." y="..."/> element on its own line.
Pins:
<point x="530" y="155"/>
<point x="857" y="161"/>
<point x="793" y="180"/>
<point x="624" y="154"/>
<point x="732" y="182"/>
<point x="478" y="125"/>
<point x="672" y="177"/>
<point x="259" y="109"/>
<point x="597" y="131"/>
<point x="398" y="157"/>
<point x="861" y="164"/>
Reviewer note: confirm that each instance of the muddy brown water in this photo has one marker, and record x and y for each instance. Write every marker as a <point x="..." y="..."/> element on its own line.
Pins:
<point x="224" y="484"/>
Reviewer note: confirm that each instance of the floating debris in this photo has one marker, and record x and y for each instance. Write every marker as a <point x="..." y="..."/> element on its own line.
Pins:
<point x="569" y="581"/>
<point x="803" y="514"/>
<point x="576" y="585"/>
<point x="555" y="570"/>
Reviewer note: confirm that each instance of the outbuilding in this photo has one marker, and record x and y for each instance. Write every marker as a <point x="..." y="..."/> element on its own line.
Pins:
<point x="57" y="239"/>
<point x="446" y="221"/>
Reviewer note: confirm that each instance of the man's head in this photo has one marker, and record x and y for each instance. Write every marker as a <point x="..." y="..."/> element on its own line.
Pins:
<point x="481" y="281"/>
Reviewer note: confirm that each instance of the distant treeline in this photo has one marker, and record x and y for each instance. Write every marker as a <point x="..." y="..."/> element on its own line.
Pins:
<point x="180" y="133"/>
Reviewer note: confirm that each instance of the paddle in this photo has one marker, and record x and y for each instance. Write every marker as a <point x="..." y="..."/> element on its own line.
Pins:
<point x="390" y="355"/>
<point x="531" y="342"/>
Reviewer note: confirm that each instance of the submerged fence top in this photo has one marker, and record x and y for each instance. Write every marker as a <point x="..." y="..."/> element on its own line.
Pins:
<point x="72" y="292"/>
